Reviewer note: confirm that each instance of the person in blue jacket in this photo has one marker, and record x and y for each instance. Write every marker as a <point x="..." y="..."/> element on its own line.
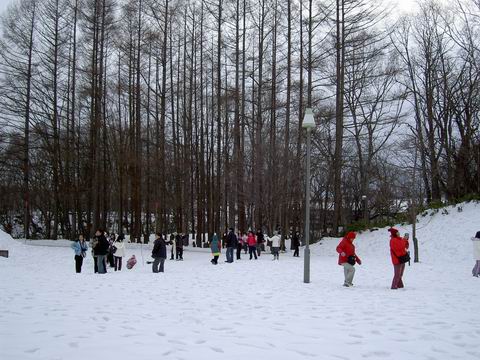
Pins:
<point x="80" y="247"/>
<point x="215" y="247"/>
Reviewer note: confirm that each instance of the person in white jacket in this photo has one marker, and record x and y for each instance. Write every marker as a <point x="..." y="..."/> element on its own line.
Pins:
<point x="275" y="240"/>
<point x="119" y="253"/>
<point x="476" y="254"/>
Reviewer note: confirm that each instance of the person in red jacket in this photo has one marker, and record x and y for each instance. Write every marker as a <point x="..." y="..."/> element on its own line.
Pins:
<point x="398" y="249"/>
<point x="348" y="258"/>
<point x="252" y="244"/>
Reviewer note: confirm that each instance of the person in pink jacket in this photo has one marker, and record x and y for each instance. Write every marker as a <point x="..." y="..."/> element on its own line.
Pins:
<point x="252" y="244"/>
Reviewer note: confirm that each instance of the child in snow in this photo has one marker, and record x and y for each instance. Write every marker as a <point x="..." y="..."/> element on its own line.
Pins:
<point x="275" y="247"/>
<point x="110" y="256"/>
<point x="476" y="254"/>
<point x="131" y="262"/>
<point x="245" y="243"/>
<point x="348" y="258"/>
<point x="399" y="255"/>
<point x="215" y="247"/>
<point x="119" y="251"/>
<point x="80" y="247"/>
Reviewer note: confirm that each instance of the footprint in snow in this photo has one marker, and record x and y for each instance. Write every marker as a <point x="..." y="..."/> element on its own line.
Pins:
<point x="218" y="350"/>
<point x="32" y="350"/>
<point x="376" y="354"/>
<point x="159" y="333"/>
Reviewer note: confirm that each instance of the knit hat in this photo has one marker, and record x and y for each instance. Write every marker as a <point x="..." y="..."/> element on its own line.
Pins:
<point x="351" y="235"/>
<point x="393" y="231"/>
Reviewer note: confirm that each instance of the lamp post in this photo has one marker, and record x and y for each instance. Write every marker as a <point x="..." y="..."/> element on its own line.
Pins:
<point x="364" y="204"/>
<point x="309" y="125"/>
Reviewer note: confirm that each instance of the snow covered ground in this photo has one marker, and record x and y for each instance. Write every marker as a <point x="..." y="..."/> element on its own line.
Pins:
<point x="249" y="309"/>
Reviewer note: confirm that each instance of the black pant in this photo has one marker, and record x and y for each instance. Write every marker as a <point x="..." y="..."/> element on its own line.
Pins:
<point x="296" y="251"/>
<point x="215" y="260"/>
<point x="252" y="250"/>
<point x="78" y="263"/>
<point x="110" y="259"/>
<point x="118" y="263"/>
<point x="239" y="251"/>
<point x="179" y="254"/>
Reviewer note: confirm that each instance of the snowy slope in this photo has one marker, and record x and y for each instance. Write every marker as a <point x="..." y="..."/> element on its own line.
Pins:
<point x="249" y="309"/>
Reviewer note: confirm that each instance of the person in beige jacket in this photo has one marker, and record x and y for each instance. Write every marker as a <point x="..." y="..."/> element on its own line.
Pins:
<point x="119" y="253"/>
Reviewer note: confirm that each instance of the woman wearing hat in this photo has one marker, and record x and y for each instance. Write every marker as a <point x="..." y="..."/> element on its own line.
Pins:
<point x="399" y="255"/>
<point x="348" y="258"/>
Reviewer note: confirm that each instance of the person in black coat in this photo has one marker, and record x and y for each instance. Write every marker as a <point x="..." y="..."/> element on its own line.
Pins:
<point x="260" y="241"/>
<point x="296" y="244"/>
<point x="101" y="251"/>
<point x="159" y="253"/>
<point x="231" y="244"/>
<point x="179" y="247"/>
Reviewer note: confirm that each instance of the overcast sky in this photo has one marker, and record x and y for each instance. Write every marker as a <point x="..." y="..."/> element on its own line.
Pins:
<point x="404" y="4"/>
<point x="3" y="4"/>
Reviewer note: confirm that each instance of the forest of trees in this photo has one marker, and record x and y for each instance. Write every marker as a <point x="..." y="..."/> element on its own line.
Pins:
<point x="186" y="115"/>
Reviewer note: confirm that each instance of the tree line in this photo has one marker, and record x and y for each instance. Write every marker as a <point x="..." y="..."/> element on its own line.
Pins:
<point x="145" y="116"/>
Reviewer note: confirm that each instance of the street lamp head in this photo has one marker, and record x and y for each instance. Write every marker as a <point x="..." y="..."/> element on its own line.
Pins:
<point x="308" y="119"/>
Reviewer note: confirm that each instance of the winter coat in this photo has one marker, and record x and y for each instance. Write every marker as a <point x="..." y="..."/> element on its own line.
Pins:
<point x="295" y="241"/>
<point x="102" y="245"/>
<point x="215" y="245"/>
<point x="260" y="237"/>
<point x="251" y="240"/>
<point x="231" y="239"/>
<point x="398" y="248"/>
<point x="476" y="248"/>
<point x="348" y="249"/>
<point x="178" y="242"/>
<point x="120" y="252"/>
<point x="159" y="249"/>
<point x="79" y="247"/>
<point x="275" y="241"/>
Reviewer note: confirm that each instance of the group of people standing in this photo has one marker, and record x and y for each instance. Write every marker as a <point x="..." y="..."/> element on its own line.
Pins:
<point x="105" y="251"/>
<point x="348" y="258"/>
<point x="251" y="242"/>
